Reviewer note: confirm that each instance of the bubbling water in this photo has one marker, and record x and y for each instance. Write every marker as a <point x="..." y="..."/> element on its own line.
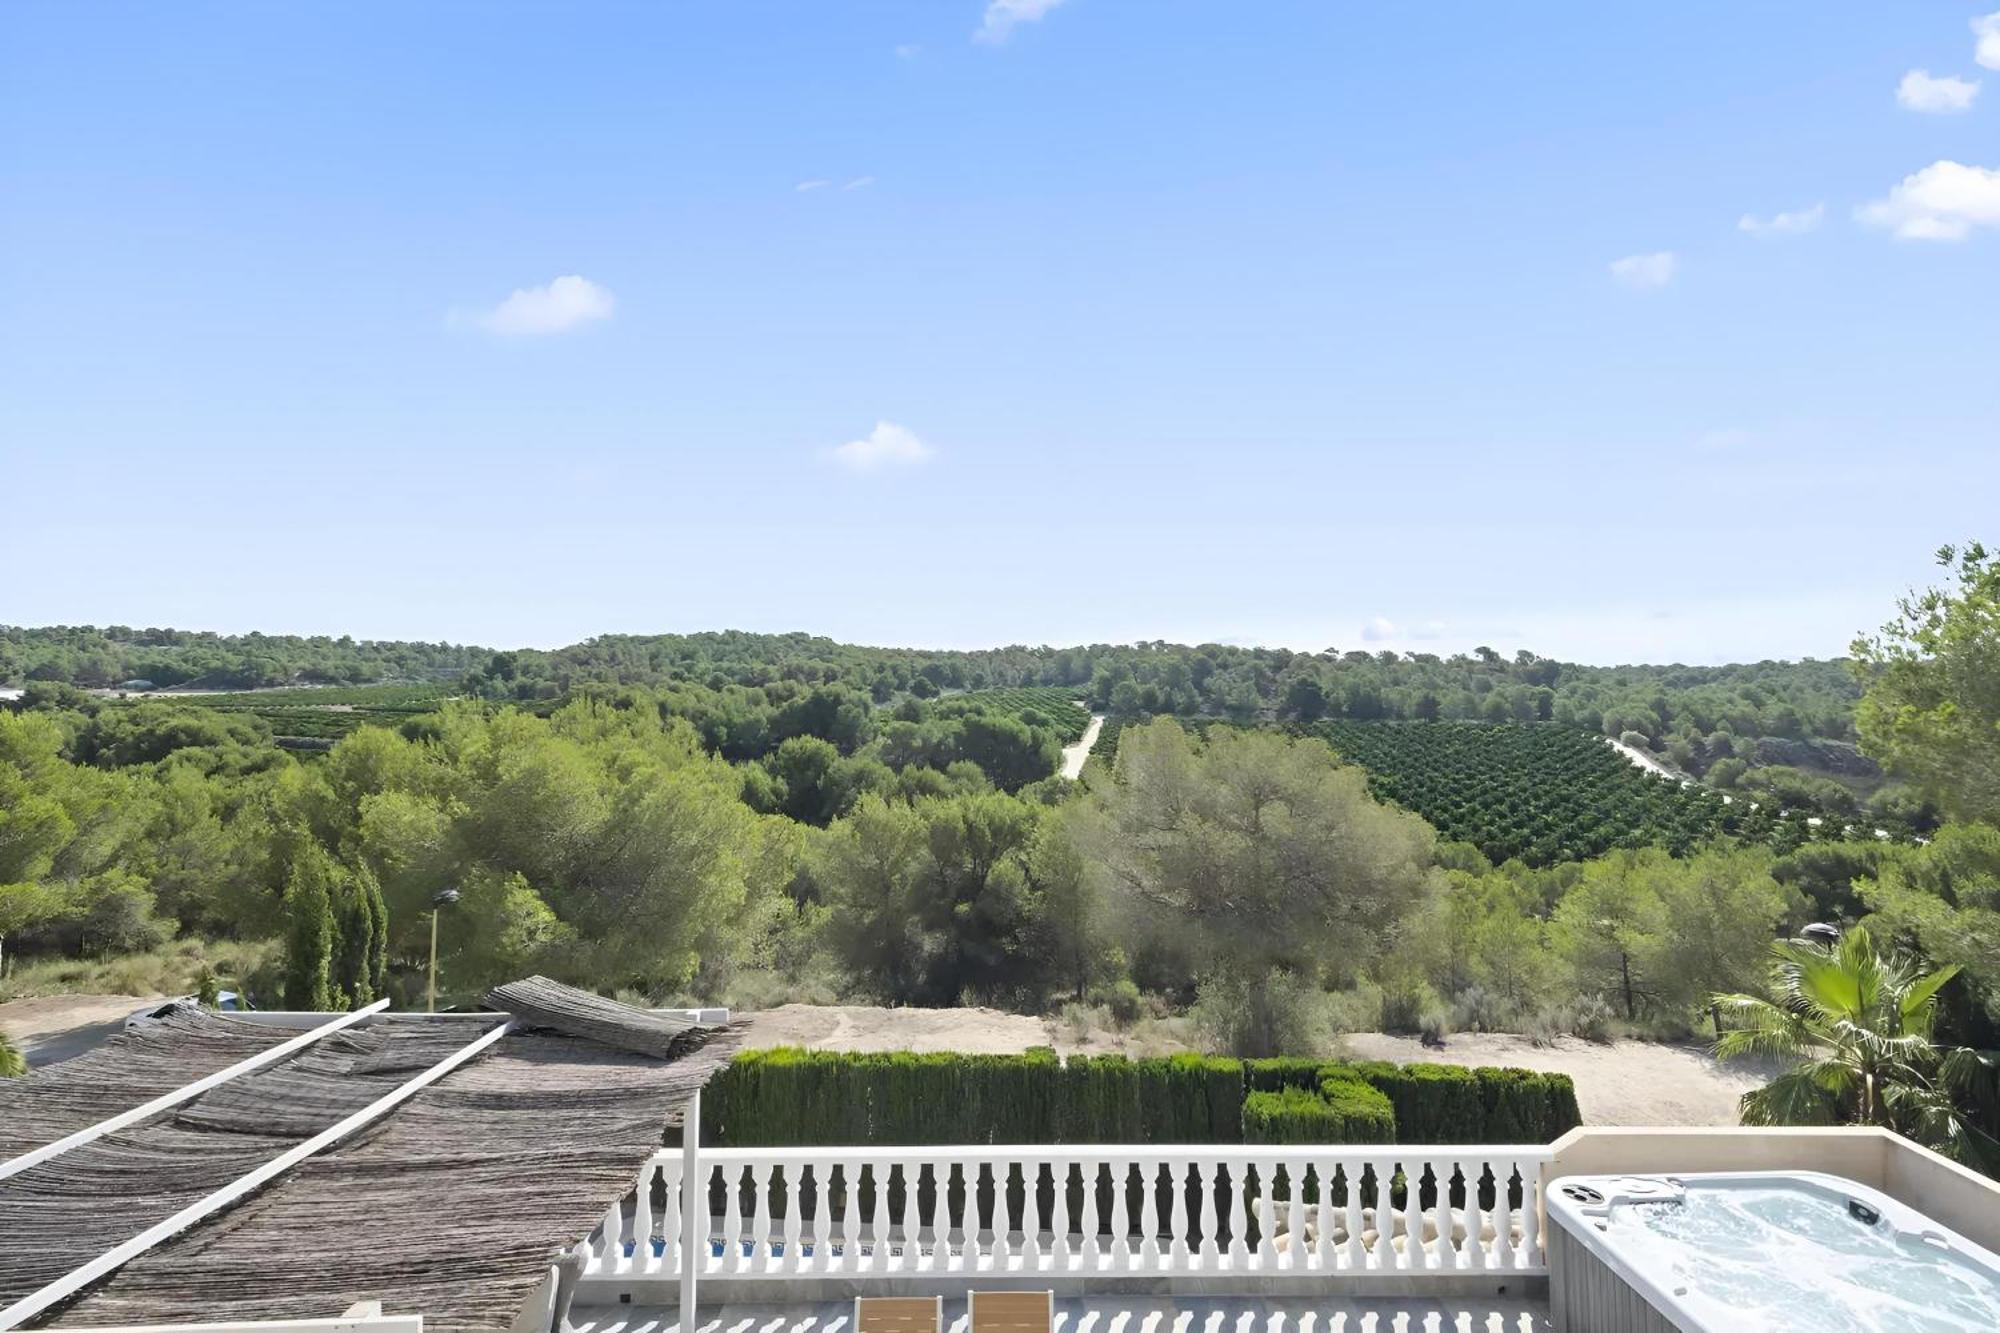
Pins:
<point x="1794" y="1258"/>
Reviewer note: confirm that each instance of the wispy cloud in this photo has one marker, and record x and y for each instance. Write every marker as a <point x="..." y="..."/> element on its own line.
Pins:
<point x="807" y="187"/>
<point x="1647" y="272"/>
<point x="1381" y="629"/>
<point x="1942" y="96"/>
<point x="909" y="51"/>
<point x="1003" y="16"/>
<point x="1943" y="202"/>
<point x="564" y="304"/>
<point x="888" y="445"/>
<point x="1783" y="224"/>
<point x="1987" y="30"/>
<point x="859" y="183"/>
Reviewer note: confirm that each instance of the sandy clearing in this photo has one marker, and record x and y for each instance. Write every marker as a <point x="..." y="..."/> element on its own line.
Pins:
<point x="1617" y="1083"/>
<point x="1645" y="761"/>
<point x="49" y="1028"/>
<point x="1073" y="756"/>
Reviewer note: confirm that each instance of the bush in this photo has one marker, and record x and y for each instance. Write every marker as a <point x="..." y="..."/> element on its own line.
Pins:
<point x="1434" y="1103"/>
<point x="1122" y="999"/>
<point x="1282" y="1012"/>
<point x="1342" y="1111"/>
<point x="1283" y="1071"/>
<point x="12" y="1063"/>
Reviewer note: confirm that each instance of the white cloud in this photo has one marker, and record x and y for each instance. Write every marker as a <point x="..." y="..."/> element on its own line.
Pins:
<point x="859" y="183"/>
<point x="1002" y="16"/>
<point x="1783" y="224"/>
<point x="1943" y="202"/>
<point x="1943" y="96"/>
<point x="806" y="187"/>
<point x="1645" y="273"/>
<point x="888" y="445"/>
<point x="1987" y="29"/>
<point x="1381" y="629"/>
<point x="564" y="304"/>
<point x="909" y="51"/>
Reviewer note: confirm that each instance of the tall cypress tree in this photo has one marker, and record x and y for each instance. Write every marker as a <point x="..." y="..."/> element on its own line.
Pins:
<point x="309" y="939"/>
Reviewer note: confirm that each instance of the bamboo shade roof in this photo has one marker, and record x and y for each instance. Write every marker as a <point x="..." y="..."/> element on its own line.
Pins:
<point x="452" y="1206"/>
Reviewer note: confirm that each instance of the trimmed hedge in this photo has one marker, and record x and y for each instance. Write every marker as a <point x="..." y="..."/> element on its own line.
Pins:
<point x="787" y="1096"/>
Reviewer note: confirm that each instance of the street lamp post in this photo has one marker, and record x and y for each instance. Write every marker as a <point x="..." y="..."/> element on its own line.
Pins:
<point x="440" y="900"/>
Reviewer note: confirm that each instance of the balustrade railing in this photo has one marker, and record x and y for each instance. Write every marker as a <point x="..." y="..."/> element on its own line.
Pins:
<point x="1081" y="1212"/>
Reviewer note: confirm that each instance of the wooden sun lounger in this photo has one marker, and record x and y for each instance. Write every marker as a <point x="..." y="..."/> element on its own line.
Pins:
<point x="1012" y="1311"/>
<point x="899" y="1314"/>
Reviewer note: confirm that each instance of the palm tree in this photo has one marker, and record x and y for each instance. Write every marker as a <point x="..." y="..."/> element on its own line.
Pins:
<point x="1857" y="1026"/>
<point x="12" y="1065"/>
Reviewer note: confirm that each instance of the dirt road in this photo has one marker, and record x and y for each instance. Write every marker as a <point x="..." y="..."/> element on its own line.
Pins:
<point x="1075" y="755"/>
<point x="50" y="1028"/>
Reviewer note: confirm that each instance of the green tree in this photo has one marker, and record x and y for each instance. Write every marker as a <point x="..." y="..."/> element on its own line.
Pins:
<point x="310" y="932"/>
<point x="1857" y="1026"/>
<point x="1932" y="710"/>
<point x="1266" y="852"/>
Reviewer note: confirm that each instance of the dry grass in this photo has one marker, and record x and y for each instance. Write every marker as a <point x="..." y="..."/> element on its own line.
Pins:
<point x="171" y="969"/>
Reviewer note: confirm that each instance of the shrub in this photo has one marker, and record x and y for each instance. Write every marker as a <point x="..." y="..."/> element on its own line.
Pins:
<point x="1122" y="999"/>
<point x="1434" y="1103"/>
<point x="1282" y="1071"/>
<point x="1341" y="1111"/>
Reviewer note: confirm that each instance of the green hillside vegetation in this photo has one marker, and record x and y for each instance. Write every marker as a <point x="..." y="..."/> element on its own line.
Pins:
<point x="819" y="826"/>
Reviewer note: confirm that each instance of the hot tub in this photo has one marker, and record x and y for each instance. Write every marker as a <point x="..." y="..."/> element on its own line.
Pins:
<point x="1740" y="1252"/>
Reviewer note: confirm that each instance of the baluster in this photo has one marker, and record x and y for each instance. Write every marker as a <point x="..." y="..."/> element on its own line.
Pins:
<point x="789" y="1232"/>
<point x="1209" y="1207"/>
<point x="1323" y="1216"/>
<point x="1089" y="1224"/>
<point x="1352" y="1256"/>
<point x="1444" y="1252"/>
<point x="1530" y="1253"/>
<point x="1413" y="1215"/>
<point x="955" y="1228"/>
<point x="1149" y="1215"/>
<point x="669" y="1254"/>
<point x="903" y="1247"/>
<point x="1503" y="1214"/>
<point x="1381" y="1254"/>
<point x="1177" y="1214"/>
<point x="1473" y="1255"/>
<point x="1062" y="1253"/>
<point x="642" y="1221"/>
<point x="1239" y="1216"/>
<point x="868" y="1224"/>
<point x="732" y="1219"/>
<point x="1298" y="1250"/>
<point x="1119" y="1222"/>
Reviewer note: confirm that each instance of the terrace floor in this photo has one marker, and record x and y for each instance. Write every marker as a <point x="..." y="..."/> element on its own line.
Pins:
<point x="1119" y="1314"/>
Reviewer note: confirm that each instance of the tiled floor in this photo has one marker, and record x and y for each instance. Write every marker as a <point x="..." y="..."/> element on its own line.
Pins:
<point x="1136" y="1314"/>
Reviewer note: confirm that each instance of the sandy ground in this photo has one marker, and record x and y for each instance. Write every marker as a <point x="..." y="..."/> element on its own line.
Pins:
<point x="1074" y="755"/>
<point x="861" y="1027"/>
<point x="55" y="1027"/>
<point x="1617" y="1083"/>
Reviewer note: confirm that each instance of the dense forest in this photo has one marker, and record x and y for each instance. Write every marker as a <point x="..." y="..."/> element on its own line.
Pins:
<point x="1272" y="846"/>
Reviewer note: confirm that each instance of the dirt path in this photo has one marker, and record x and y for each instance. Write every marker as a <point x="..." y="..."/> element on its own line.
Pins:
<point x="1075" y="755"/>
<point x="1617" y="1083"/>
<point x="50" y="1028"/>
<point x="1644" y="760"/>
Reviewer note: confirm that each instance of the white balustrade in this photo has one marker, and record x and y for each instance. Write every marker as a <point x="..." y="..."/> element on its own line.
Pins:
<point x="1083" y="1211"/>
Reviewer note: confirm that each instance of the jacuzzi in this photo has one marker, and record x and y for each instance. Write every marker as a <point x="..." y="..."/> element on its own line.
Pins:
<point x="1740" y="1252"/>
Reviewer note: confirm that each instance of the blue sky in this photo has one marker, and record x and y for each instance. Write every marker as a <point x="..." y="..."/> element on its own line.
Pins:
<point x="1302" y="323"/>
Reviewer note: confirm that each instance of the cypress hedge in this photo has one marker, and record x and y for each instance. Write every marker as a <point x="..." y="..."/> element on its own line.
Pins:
<point x="787" y="1096"/>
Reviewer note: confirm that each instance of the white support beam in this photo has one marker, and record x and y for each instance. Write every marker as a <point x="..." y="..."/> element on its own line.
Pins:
<point x="15" y="1165"/>
<point x="78" y="1278"/>
<point x="694" y="1206"/>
